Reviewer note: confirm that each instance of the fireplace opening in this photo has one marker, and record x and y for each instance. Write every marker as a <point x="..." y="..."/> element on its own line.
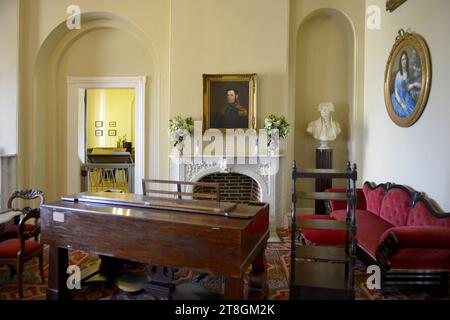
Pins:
<point x="234" y="187"/>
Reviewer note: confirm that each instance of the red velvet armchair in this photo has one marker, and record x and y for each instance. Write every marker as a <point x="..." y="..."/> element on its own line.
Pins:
<point x="17" y="251"/>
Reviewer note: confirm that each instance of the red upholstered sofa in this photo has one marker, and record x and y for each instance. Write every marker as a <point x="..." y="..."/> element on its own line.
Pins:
<point x="399" y="229"/>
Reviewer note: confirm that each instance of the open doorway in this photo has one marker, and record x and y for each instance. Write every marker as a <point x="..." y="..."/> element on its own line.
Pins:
<point x="109" y="139"/>
<point x="79" y="122"/>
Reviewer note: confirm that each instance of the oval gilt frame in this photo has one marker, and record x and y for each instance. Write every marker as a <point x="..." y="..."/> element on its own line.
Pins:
<point x="403" y="40"/>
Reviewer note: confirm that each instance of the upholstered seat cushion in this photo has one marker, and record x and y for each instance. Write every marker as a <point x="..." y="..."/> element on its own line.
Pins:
<point x="9" y="248"/>
<point x="369" y="229"/>
<point x="322" y="237"/>
<point x="421" y="259"/>
<point x="13" y="231"/>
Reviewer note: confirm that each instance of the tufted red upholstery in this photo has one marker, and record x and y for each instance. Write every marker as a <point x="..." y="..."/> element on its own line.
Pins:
<point x="9" y="248"/>
<point x="423" y="239"/>
<point x="421" y="216"/>
<point x="342" y="204"/>
<point x="373" y="198"/>
<point x="395" y="207"/>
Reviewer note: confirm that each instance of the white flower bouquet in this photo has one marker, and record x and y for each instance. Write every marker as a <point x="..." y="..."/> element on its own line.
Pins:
<point x="179" y="129"/>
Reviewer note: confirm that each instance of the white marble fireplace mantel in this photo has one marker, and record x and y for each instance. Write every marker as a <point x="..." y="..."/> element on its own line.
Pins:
<point x="265" y="170"/>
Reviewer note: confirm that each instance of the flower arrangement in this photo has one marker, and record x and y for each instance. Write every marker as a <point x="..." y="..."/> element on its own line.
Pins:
<point x="276" y="126"/>
<point x="179" y="128"/>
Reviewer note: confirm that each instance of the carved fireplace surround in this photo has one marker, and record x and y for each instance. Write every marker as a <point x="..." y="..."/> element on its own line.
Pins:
<point x="265" y="170"/>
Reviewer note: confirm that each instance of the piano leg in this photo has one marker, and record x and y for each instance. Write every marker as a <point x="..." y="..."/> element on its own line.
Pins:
<point x="257" y="282"/>
<point x="234" y="288"/>
<point x="57" y="274"/>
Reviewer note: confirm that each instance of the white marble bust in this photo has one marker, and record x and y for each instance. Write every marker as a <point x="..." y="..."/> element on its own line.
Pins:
<point x="324" y="129"/>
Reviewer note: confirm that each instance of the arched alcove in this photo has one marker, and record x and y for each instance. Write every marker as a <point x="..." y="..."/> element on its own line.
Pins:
<point x="107" y="45"/>
<point x="325" y="72"/>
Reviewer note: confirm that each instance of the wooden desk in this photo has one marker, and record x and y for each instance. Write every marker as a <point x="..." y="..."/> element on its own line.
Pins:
<point x="217" y="244"/>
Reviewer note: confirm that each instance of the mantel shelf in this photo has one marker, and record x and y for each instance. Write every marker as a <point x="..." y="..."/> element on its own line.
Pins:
<point x="225" y="156"/>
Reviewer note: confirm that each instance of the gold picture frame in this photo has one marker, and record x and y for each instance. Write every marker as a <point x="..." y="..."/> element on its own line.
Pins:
<point x="407" y="80"/>
<point x="391" y="5"/>
<point x="229" y="101"/>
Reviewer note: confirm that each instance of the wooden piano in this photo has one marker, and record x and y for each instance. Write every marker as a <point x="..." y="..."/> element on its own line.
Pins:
<point x="217" y="237"/>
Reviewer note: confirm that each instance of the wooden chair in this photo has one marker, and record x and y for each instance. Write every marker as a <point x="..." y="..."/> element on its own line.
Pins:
<point x="30" y="194"/>
<point x="16" y="252"/>
<point x="212" y="193"/>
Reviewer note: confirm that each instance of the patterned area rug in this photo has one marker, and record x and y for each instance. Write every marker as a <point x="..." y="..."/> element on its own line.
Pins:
<point x="277" y="257"/>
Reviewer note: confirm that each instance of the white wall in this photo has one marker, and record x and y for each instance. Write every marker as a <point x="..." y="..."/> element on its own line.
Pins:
<point x="9" y="48"/>
<point x="418" y="156"/>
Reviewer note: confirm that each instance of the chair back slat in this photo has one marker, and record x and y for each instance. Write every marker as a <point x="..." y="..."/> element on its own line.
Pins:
<point x="29" y="194"/>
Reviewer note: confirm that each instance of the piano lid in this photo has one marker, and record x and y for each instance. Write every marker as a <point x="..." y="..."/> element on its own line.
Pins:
<point x="140" y="201"/>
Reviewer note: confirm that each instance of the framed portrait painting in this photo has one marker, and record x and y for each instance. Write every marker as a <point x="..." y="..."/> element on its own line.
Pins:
<point x="229" y="101"/>
<point x="407" y="79"/>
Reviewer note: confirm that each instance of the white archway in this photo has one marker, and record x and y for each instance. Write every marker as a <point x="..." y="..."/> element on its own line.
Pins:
<point x="48" y="98"/>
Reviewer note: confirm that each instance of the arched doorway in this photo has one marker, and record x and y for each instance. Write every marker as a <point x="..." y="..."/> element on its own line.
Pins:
<point x="106" y="46"/>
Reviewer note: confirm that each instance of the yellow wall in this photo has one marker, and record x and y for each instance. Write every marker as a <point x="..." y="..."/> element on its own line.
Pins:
<point x="108" y="105"/>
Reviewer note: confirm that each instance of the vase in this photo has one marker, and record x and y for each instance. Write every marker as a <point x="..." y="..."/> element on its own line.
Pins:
<point x="179" y="149"/>
<point x="272" y="146"/>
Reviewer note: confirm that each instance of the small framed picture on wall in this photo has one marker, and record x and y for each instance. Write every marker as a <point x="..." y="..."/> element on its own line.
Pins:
<point x="98" y="124"/>
<point x="112" y="133"/>
<point x="112" y="124"/>
<point x="98" y="133"/>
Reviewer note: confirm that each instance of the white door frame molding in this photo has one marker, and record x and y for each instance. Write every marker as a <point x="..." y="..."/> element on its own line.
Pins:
<point x="76" y="128"/>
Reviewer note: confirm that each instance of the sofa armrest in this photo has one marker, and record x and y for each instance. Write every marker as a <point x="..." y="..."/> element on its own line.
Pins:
<point x="424" y="237"/>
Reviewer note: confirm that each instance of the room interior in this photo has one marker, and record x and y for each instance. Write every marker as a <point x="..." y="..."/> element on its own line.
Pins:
<point x="121" y="100"/>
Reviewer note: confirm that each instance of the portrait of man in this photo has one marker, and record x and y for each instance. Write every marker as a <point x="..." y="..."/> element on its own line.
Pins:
<point x="229" y="102"/>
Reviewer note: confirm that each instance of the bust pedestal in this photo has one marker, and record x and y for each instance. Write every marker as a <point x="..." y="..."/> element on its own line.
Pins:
<point x="324" y="160"/>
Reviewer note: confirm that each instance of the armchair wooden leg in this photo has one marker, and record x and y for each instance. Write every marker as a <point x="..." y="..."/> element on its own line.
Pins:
<point x="12" y="271"/>
<point x="41" y="266"/>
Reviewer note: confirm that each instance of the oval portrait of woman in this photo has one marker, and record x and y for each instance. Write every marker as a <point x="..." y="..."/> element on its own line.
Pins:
<point x="408" y="79"/>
